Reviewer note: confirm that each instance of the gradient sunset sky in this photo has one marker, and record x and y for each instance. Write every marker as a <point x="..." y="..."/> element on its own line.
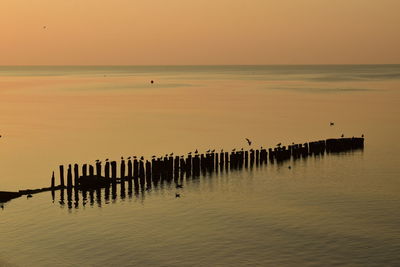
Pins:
<point x="190" y="32"/>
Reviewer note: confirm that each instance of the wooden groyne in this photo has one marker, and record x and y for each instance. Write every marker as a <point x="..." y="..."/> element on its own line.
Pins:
<point x="143" y="172"/>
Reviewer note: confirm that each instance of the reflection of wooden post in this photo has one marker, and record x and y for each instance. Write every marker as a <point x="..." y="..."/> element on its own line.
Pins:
<point x="69" y="176"/>
<point x="53" y="181"/>
<point x="62" y="176"/>
<point x="76" y="175"/>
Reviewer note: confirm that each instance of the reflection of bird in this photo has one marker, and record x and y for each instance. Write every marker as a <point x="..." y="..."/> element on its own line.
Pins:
<point x="248" y="141"/>
<point x="342" y="135"/>
<point x="177" y="195"/>
<point x="279" y="144"/>
<point x="331" y="123"/>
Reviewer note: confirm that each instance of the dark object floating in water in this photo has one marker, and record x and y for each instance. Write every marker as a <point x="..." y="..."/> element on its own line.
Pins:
<point x="177" y="195"/>
<point x="331" y="123"/>
<point x="151" y="81"/>
<point x="29" y="196"/>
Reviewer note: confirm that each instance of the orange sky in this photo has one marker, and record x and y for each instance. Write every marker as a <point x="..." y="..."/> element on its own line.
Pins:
<point x="141" y="32"/>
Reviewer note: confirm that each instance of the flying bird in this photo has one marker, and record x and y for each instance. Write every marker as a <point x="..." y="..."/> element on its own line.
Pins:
<point x="248" y="141"/>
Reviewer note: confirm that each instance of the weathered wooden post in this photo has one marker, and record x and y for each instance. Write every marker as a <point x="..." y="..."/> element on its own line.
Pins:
<point x="62" y="176"/>
<point x="114" y="171"/>
<point x="98" y="169"/>
<point x="69" y="177"/>
<point x="130" y="169"/>
<point x="76" y="175"/>
<point x="122" y="170"/>
<point x="53" y="181"/>
<point x="91" y="170"/>
<point x="107" y="170"/>
<point x="84" y="170"/>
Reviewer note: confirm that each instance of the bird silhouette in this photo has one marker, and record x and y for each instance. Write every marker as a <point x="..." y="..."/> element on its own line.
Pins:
<point x="196" y="151"/>
<point x="212" y="151"/>
<point x="361" y="135"/>
<point x="208" y="151"/>
<point x="153" y="156"/>
<point x="142" y="158"/>
<point x="151" y="81"/>
<point x="106" y="159"/>
<point x="331" y="123"/>
<point x="171" y="154"/>
<point x="279" y="144"/>
<point x="190" y="153"/>
<point x="122" y="157"/>
<point x="248" y="141"/>
<point x="222" y="151"/>
<point x="97" y="160"/>
<point x="233" y="150"/>
<point x="129" y="157"/>
<point x="342" y="135"/>
<point x="177" y="195"/>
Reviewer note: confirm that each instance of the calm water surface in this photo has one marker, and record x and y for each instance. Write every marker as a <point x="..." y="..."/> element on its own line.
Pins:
<point x="332" y="210"/>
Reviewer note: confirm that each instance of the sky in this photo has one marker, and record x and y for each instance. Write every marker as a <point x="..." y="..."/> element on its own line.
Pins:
<point x="199" y="32"/>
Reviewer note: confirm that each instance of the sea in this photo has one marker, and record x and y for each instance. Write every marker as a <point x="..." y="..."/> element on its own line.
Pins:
<point x="329" y="210"/>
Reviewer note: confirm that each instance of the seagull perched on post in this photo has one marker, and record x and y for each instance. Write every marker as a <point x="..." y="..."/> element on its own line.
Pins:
<point x="279" y="144"/>
<point x="342" y="135"/>
<point x="248" y="141"/>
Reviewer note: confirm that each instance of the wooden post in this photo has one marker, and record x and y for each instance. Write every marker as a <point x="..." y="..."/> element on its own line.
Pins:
<point x="91" y="170"/>
<point x="69" y="176"/>
<point x="98" y="169"/>
<point x="114" y="171"/>
<point x="107" y="170"/>
<point x="84" y="170"/>
<point x="122" y="170"/>
<point x="76" y="175"/>
<point x="53" y="181"/>
<point x="62" y="176"/>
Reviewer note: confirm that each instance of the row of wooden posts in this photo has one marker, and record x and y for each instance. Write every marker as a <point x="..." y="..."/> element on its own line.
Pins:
<point x="145" y="171"/>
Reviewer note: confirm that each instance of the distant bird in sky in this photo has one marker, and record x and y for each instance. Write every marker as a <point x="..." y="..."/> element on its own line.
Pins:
<point x="342" y="135"/>
<point x="0" y="135"/>
<point x="331" y="123"/>
<point x="248" y="141"/>
<point x="279" y="144"/>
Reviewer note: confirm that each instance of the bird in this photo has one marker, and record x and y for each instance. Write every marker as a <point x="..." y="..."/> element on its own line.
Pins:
<point x="129" y="157"/>
<point x="289" y="167"/>
<point x="361" y="135"/>
<point x="179" y="186"/>
<point x="142" y="158"/>
<point x="208" y="151"/>
<point x="153" y="156"/>
<point x="241" y="149"/>
<point x="212" y="151"/>
<point x="196" y="151"/>
<point x="134" y="157"/>
<point x="279" y="144"/>
<point x="29" y="196"/>
<point x="342" y="135"/>
<point x="44" y="27"/>
<point x="171" y="154"/>
<point x="190" y="153"/>
<point x="0" y="135"/>
<point x="97" y="160"/>
<point x="233" y="150"/>
<point x="248" y="141"/>
<point x="122" y="157"/>
<point x="151" y="81"/>
<point x="177" y="195"/>
<point x="106" y="159"/>
<point x="331" y="123"/>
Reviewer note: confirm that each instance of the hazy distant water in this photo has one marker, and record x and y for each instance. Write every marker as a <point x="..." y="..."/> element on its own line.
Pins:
<point x="339" y="209"/>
